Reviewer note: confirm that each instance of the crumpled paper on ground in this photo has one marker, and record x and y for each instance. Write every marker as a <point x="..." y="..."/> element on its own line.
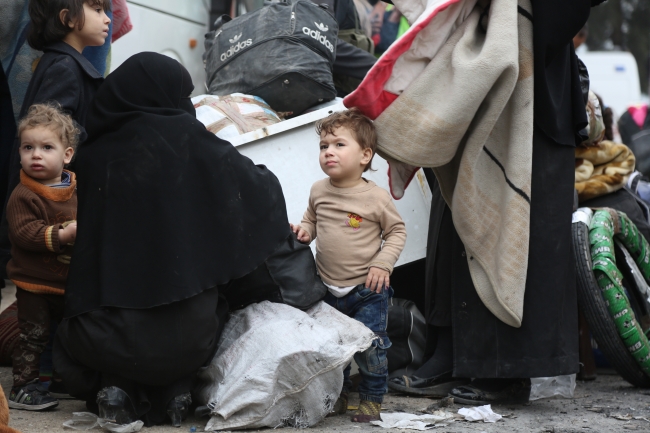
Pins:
<point x="480" y="413"/>
<point x="88" y="421"/>
<point x="415" y="422"/>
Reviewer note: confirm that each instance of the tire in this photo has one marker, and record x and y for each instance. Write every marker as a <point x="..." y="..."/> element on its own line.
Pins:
<point x="593" y="306"/>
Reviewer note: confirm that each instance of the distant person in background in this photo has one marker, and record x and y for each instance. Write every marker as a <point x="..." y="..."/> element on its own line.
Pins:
<point x="354" y="48"/>
<point x="394" y="26"/>
<point x="633" y="121"/>
<point x="634" y="127"/>
<point x="377" y="19"/>
<point x="581" y="37"/>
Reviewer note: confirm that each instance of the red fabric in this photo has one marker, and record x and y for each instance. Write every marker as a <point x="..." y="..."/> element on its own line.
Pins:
<point x="406" y="183"/>
<point x="121" y="19"/>
<point x="639" y="113"/>
<point x="370" y="97"/>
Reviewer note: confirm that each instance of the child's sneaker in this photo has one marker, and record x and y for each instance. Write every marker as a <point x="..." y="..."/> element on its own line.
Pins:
<point x="341" y="405"/>
<point x="31" y="397"/>
<point x="368" y="411"/>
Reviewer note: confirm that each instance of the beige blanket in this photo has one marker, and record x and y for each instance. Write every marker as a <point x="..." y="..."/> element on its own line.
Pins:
<point x="602" y="169"/>
<point x="469" y="114"/>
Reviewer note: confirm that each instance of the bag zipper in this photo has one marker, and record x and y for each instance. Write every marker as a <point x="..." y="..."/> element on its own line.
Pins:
<point x="293" y="17"/>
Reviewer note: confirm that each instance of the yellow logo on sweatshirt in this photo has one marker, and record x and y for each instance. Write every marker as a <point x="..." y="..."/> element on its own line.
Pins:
<point x="354" y="221"/>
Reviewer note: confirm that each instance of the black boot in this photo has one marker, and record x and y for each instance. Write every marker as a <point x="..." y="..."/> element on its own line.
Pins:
<point x="116" y="406"/>
<point x="178" y="408"/>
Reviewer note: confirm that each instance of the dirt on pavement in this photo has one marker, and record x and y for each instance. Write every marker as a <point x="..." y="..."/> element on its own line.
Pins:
<point x="608" y="404"/>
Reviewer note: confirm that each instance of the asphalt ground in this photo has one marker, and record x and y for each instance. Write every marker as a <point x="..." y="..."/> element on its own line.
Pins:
<point x="608" y="404"/>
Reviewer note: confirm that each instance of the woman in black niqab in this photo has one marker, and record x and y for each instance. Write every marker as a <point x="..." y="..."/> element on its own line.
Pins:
<point x="167" y="212"/>
<point x="465" y="339"/>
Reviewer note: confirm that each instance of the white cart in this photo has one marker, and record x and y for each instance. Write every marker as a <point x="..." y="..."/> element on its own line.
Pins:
<point x="290" y="150"/>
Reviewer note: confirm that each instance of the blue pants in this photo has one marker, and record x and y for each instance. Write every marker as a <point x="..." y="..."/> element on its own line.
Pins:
<point x="371" y="309"/>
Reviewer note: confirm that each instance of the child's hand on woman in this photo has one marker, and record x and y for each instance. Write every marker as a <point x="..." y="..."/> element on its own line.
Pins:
<point x="301" y="233"/>
<point x="68" y="234"/>
<point x="377" y="278"/>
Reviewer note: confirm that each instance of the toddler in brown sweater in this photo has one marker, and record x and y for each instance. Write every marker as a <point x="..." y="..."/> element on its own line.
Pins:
<point x="41" y="213"/>
<point x="351" y="217"/>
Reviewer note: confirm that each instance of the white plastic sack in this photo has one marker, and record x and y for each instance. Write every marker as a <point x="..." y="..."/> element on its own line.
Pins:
<point x="545" y="387"/>
<point x="279" y="366"/>
<point x="232" y="115"/>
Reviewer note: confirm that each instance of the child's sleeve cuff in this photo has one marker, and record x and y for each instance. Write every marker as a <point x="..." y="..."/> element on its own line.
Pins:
<point x="382" y="265"/>
<point x="52" y="238"/>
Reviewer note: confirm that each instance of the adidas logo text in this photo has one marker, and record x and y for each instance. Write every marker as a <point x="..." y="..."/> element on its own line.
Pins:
<point x="236" y="48"/>
<point x="320" y="38"/>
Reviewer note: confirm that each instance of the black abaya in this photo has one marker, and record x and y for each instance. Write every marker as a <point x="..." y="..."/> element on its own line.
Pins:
<point x="166" y="209"/>
<point x="167" y="212"/>
<point x="152" y="354"/>
<point x="547" y="342"/>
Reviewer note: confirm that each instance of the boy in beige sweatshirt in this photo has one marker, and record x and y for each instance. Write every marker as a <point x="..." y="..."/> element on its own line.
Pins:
<point x="351" y="217"/>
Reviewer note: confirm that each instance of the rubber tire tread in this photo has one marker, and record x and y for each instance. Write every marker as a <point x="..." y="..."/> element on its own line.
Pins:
<point x="595" y="310"/>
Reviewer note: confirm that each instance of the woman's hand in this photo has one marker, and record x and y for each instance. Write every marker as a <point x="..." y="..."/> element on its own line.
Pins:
<point x="377" y="278"/>
<point x="301" y="234"/>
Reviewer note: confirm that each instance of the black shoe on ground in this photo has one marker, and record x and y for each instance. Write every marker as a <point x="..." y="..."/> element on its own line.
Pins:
<point x="31" y="397"/>
<point x="115" y="406"/>
<point x="437" y="386"/>
<point x="58" y="390"/>
<point x="202" y="412"/>
<point x="493" y="391"/>
<point x="178" y="408"/>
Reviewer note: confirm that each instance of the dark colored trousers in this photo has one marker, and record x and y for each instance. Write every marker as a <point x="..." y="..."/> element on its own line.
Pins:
<point x="35" y="314"/>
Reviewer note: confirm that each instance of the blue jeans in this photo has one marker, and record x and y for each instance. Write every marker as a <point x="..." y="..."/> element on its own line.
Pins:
<point x="371" y="309"/>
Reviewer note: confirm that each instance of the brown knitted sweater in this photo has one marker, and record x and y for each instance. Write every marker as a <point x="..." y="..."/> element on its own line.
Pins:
<point x="35" y="213"/>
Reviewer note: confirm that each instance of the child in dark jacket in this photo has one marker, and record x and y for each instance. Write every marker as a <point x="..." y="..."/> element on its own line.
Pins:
<point x="62" y="29"/>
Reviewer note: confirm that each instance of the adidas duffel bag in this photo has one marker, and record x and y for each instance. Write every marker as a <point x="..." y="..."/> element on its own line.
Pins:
<point x="282" y="53"/>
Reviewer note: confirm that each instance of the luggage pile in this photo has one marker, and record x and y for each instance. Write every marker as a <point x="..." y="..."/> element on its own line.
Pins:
<point x="297" y="40"/>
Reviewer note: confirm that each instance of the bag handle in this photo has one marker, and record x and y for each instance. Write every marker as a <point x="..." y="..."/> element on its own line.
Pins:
<point x="219" y="22"/>
<point x="357" y="20"/>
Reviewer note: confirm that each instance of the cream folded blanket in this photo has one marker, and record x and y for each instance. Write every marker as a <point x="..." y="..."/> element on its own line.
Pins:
<point x="602" y="169"/>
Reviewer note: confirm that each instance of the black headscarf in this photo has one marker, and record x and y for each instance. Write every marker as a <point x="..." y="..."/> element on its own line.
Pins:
<point x="559" y="106"/>
<point x="166" y="209"/>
